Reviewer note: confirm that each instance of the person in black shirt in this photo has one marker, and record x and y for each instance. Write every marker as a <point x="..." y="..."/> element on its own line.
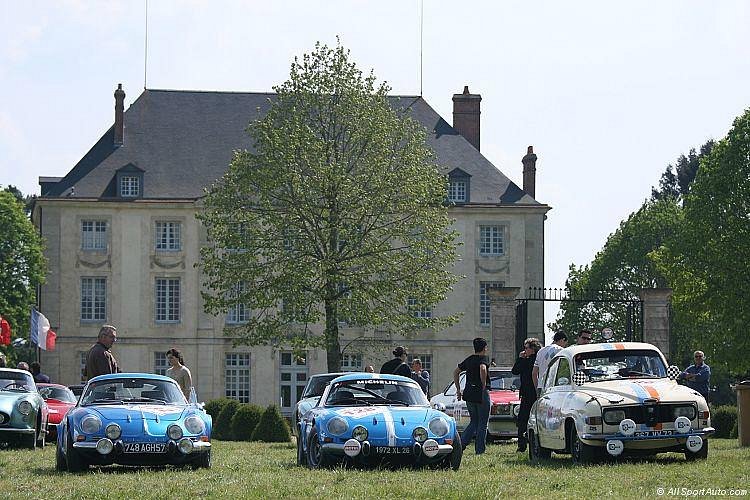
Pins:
<point x="475" y="394"/>
<point x="523" y="367"/>
<point x="397" y="366"/>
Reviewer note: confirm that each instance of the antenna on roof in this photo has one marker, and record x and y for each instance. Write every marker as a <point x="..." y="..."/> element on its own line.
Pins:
<point x="145" y="50"/>
<point x="421" y="30"/>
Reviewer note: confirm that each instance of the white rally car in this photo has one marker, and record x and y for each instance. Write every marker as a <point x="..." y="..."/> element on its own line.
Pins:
<point x="613" y="399"/>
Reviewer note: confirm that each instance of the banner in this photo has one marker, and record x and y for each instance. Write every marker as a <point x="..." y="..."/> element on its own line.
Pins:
<point x="41" y="334"/>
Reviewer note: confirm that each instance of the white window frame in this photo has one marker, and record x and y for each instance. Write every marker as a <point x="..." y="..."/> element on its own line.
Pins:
<point x="161" y="364"/>
<point x="167" y="300"/>
<point x="93" y="234"/>
<point x="491" y="240"/>
<point x="238" y="313"/>
<point x="485" y="304"/>
<point x="457" y="191"/>
<point x="351" y="362"/>
<point x="130" y="186"/>
<point x="93" y="303"/>
<point x="168" y="236"/>
<point x="237" y="376"/>
<point x="296" y="368"/>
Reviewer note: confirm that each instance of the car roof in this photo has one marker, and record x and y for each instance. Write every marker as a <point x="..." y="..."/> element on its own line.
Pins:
<point x="371" y="376"/>
<point x="607" y="346"/>
<point x="49" y="384"/>
<point x="332" y="375"/>
<point x="16" y="370"/>
<point x="119" y="376"/>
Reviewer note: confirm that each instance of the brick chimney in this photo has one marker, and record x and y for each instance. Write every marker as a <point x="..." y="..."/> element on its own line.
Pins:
<point x="529" y="172"/>
<point x="466" y="115"/>
<point x="119" y="110"/>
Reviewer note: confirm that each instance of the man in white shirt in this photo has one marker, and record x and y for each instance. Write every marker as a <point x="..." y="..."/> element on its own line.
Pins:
<point x="545" y="355"/>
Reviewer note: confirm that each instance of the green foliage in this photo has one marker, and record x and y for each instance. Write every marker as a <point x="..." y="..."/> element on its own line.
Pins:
<point x="734" y="434"/>
<point x="222" y="428"/>
<point x="245" y="420"/>
<point x="272" y="427"/>
<point x="337" y="214"/>
<point x="22" y="264"/>
<point x="724" y="420"/>
<point x="676" y="180"/>
<point x="215" y="406"/>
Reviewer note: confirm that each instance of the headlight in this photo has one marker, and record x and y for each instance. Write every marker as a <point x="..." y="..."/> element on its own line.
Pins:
<point x="360" y="433"/>
<point x="613" y="417"/>
<point x="420" y="434"/>
<point x="174" y="432"/>
<point x="337" y="426"/>
<point x="25" y="407"/>
<point x="684" y="411"/>
<point x="439" y="427"/>
<point x="113" y="431"/>
<point x="194" y="424"/>
<point x="516" y="410"/>
<point x="90" y="424"/>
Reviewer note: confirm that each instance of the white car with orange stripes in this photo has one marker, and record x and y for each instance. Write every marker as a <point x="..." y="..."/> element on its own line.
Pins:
<point x="613" y="399"/>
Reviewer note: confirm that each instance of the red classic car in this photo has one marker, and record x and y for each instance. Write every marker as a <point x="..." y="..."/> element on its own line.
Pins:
<point x="59" y="399"/>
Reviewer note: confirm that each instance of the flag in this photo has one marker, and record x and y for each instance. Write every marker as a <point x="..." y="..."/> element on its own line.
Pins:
<point x="41" y="334"/>
<point x="5" y="332"/>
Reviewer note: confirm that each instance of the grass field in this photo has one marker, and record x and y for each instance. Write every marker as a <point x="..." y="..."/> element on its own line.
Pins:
<point x="243" y="470"/>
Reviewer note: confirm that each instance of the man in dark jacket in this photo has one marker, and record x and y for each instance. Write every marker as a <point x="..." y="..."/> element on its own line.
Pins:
<point x="99" y="360"/>
<point x="523" y="366"/>
<point x="397" y="366"/>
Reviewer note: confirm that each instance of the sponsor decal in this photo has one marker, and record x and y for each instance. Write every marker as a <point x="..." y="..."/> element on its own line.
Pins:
<point x="157" y="409"/>
<point x="359" y="412"/>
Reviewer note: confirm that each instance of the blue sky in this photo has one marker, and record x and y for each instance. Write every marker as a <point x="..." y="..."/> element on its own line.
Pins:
<point x="607" y="93"/>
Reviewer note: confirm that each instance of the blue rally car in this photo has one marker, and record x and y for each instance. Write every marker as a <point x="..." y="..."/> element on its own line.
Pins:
<point x="133" y="419"/>
<point x="367" y="418"/>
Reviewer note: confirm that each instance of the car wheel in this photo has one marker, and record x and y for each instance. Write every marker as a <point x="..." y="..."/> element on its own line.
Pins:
<point x="60" y="464"/>
<point x="29" y="441"/>
<point x="581" y="452"/>
<point x="457" y="453"/>
<point x="75" y="462"/>
<point x="301" y="458"/>
<point x="701" y="454"/>
<point x="536" y="452"/>
<point x="316" y="459"/>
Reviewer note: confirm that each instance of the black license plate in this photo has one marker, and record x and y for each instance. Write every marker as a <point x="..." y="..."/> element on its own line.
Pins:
<point x="392" y="450"/>
<point x="653" y="433"/>
<point x="144" y="447"/>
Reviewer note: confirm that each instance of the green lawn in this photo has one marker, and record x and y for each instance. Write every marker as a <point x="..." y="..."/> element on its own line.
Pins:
<point x="244" y="470"/>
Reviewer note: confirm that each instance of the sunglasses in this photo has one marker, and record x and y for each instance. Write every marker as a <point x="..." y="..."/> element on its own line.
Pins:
<point x="586" y="338"/>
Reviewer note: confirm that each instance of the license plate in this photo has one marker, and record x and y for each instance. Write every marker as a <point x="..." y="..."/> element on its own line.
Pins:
<point x="392" y="450"/>
<point x="144" y="447"/>
<point x="653" y="433"/>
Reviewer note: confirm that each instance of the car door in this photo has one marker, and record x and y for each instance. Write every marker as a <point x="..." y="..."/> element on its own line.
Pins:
<point x="545" y="409"/>
<point x="456" y="408"/>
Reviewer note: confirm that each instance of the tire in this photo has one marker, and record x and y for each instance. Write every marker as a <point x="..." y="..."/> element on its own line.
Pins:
<point x="73" y="459"/>
<point x="301" y="458"/>
<point x="29" y="441"/>
<point x="701" y="454"/>
<point x="536" y="452"/>
<point x="41" y="436"/>
<point x="60" y="463"/>
<point x="457" y="453"/>
<point x="579" y="451"/>
<point x="316" y="459"/>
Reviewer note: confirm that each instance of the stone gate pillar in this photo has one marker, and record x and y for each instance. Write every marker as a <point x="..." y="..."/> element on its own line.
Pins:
<point x="656" y="324"/>
<point x="503" y="314"/>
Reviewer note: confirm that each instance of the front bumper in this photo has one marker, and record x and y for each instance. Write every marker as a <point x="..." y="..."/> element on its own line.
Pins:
<point x="646" y="442"/>
<point x="172" y="454"/>
<point x="12" y="430"/>
<point x="502" y="426"/>
<point x="368" y="451"/>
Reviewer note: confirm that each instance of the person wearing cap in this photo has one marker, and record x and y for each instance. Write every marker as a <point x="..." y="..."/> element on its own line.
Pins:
<point x="545" y="355"/>
<point x="397" y="366"/>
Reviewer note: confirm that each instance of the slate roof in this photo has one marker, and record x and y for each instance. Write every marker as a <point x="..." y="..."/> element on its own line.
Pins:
<point x="183" y="141"/>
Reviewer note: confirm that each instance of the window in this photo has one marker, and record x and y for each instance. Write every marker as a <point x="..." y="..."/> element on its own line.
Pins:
<point x="426" y="360"/>
<point x="292" y="379"/>
<point x="130" y="186"/>
<point x="419" y="309"/>
<point x="82" y="365"/>
<point x="491" y="240"/>
<point x="484" y="301"/>
<point x="237" y="376"/>
<point x="351" y="362"/>
<point x="93" y="235"/>
<point x="239" y="312"/>
<point x="457" y="191"/>
<point x="563" y="373"/>
<point x="167" y="236"/>
<point x="160" y="363"/>
<point x="93" y="299"/>
<point x="167" y="300"/>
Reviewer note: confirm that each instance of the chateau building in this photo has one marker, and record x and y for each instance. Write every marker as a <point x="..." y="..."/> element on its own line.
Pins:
<point x="123" y="242"/>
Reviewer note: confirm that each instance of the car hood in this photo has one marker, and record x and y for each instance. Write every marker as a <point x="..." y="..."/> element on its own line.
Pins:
<point x="138" y="412"/>
<point x="9" y="398"/>
<point x="504" y="397"/>
<point x="636" y="391"/>
<point x="368" y="414"/>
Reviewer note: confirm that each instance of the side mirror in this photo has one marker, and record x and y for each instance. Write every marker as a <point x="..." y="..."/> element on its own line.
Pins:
<point x="673" y="372"/>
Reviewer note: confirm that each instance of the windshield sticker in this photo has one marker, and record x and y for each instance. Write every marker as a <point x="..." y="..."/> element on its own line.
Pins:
<point x="158" y="409"/>
<point x="359" y="412"/>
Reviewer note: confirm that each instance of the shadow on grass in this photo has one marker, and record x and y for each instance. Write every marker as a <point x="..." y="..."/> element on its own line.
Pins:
<point x="564" y="462"/>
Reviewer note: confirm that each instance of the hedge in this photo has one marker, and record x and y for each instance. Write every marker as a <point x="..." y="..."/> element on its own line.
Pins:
<point x="215" y="406"/>
<point x="223" y="425"/>
<point x="724" y="420"/>
<point x="272" y="427"/>
<point x="244" y="421"/>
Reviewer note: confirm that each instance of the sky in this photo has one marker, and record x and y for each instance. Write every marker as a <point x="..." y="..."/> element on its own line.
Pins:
<point x="608" y="93"/>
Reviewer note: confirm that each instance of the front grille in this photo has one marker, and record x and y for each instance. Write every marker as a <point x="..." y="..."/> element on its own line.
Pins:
<point x="653" y="414"/>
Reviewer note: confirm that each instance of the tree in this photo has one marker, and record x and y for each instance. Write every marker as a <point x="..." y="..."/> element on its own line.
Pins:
<point x="27" y="201"/>
<point x="676" y="180"/>
<point x="337" y="215"/>
<point x="22" y="264"/>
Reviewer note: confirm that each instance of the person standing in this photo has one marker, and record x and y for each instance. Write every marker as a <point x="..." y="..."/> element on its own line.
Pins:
<point x="397" y="366"/>
<point x="179" y="372"/>
<point x="584" y="337"/>
<point x="523" y="367"/>
<point x="99" y="359"/>
<point x="420" y="376"/>
<point x="23" y="365"/>
<point x="369" y="369"/>
<point x="36" y="371"/>
<point x="545" y="355"/>
<point x="476" y="394"/>
<point x="698" y="375"/>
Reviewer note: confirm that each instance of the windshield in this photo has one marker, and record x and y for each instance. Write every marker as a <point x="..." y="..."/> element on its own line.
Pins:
<point x="16" y="381"/>
<point x="317" y="385"/>
<point x="619" y="364"/>
<point x="504" y="381"/>
<point x="376" y="392"/>
<point x="133" y="390"/>
<point x="59" y="393"/>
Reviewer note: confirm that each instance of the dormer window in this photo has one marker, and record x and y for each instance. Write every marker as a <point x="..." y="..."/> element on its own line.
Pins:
<point x="458" y="186"/>
<point x="130" y="186"/>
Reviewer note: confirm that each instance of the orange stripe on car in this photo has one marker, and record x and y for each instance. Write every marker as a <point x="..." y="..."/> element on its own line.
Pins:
<point x="619" y="346"/>
<point x="651" y="391"/>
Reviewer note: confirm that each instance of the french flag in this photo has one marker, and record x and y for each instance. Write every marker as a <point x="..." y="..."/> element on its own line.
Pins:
<point x="41" y="334"/>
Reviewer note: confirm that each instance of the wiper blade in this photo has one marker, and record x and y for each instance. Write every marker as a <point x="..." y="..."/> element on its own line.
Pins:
<point x="103" y="401"/>
<point x="144" y="400"/>
<point x="339" y="402"/>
